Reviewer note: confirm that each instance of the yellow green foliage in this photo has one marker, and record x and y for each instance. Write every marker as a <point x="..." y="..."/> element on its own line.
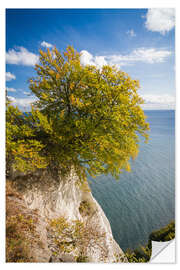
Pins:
<point x="84" y="117"/>
<point x="76" y="236"/>
<point x="68" y="235"/>
<point x="23" y="149"/>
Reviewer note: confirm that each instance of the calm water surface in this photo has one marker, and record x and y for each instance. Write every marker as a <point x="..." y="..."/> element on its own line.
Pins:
<point x="143" y="200"/>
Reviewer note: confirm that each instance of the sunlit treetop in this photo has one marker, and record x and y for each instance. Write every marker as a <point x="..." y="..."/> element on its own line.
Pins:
<point x="85" y="117"/>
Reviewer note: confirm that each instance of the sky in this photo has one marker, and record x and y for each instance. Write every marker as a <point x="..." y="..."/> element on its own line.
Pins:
<point x="140" y="42"/>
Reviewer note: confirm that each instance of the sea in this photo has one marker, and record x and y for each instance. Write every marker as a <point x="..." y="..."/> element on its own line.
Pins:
<point x="142" y="200"/>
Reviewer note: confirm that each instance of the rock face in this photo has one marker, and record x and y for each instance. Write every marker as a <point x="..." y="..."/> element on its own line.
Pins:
<point x="71" y="200"/>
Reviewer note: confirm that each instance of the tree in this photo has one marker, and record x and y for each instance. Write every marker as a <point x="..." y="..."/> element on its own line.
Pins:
<point x="22" y="146"/>
<point x="85" y="117"/>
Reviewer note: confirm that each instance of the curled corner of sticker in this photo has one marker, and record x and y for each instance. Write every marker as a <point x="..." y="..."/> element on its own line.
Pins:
<point x="163" y="252"/>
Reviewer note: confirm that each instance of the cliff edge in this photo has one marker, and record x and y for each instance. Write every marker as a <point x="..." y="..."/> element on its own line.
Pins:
<point x="67" y="221"/>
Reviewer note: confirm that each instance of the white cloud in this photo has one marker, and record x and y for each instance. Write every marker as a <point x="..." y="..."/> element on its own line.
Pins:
<point x="141" y="55"/>
<point x="26" y="93"/>
<point x="10" y="89"/>
<point x="160" y="19"/>
<point x="144" y="55"/>
<point x="100" y="61"/>
<point x="46" y="44"/>
<point x="131" y="33"/>
<point x="10" y="76"/>
<point x="87" y="58"/>
<point x="164" y="101"/>
<point x="24" y="104"/>
<point x="21" y="57"/>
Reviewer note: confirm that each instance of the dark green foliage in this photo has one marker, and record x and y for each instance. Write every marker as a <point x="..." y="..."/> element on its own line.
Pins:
<point x="165" y="234"/>
<point x="143" y="254"/>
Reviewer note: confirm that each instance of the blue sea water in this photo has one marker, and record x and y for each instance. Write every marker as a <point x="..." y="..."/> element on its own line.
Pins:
<point x="143" y="200"/>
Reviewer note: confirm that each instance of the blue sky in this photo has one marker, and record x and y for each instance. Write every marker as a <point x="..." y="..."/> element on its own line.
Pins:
<point x="139" y="41"/>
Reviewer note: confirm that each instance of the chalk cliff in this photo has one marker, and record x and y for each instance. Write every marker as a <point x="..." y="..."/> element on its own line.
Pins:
<point x="72" y="224"/>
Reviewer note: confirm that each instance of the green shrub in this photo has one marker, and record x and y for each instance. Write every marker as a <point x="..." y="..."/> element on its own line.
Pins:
<point x="143" y="254"/>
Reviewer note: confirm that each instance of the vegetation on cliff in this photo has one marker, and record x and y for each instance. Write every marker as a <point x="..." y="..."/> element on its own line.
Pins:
<point x="143" y="253"/>
<point x="31" y="237"/>
<point x="85" y="118"/>
<point x="76" y="237"/>
<point x="64" y="241"/>
<point x="22" y="237"/>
